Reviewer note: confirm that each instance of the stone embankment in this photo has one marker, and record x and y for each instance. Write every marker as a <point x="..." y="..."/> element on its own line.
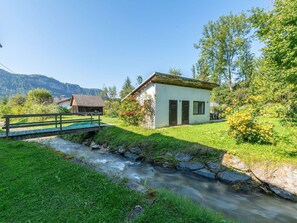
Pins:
<point x="268" y="177"/>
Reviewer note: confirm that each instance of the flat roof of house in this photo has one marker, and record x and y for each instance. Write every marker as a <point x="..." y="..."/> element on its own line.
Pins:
<point x="169" y="79"/>
<point x="87" y="100"/>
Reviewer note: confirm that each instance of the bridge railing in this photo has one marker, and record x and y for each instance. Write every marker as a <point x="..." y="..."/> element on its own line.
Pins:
<point x="56" y="120"/>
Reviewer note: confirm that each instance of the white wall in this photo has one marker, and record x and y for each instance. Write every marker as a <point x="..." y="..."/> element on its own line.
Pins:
<point x="164" y="93"/>
<point x="148" y="93"/>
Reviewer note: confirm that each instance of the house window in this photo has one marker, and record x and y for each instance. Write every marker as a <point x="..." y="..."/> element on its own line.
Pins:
<point x="198" y="108"/>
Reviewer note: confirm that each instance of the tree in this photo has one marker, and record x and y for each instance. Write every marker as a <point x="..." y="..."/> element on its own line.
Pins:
<point x="127" y="88"/>
<point x="277" y="29"/>
<point x="225" y="50"/>
<point x="40" y="96"/>
<point x="16" y="104"/>
<point x="108" y="93"/>
<point x="139" y="80"/>
<point x="193" y="69"/>
<point x="175" y="72"/>
<point x="17" y="100"/>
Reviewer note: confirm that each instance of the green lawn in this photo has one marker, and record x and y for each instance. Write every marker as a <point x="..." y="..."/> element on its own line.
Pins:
<point x="194" y="138"/>
<point x="41" y="185"/>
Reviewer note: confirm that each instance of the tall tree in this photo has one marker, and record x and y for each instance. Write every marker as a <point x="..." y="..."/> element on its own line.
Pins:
<point x="40" y="96"/>
<point x="193" y="70"/>
<point x="139" y="80"/>
<point x="277" y="29"/>
<point x="175" y="72"/>
<point x="108" y="93"/>
<point x="127" y="88"/>
<point x="225" y="44"/>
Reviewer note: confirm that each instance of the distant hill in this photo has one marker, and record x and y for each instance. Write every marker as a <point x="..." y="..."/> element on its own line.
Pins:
<point x="11" y="84"/>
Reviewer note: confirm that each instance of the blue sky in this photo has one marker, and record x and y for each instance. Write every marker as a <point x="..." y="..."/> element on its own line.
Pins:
<point x="94" y="43"/>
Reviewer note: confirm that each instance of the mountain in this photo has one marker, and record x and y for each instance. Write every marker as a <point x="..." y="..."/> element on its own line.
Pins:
<point x="11" y="84"/>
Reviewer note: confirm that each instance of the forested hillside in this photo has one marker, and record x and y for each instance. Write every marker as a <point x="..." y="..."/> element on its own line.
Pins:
<point x="12" y="84"/>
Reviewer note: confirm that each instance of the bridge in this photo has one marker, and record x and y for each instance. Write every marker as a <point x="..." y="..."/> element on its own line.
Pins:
<point x="39" y="125"/>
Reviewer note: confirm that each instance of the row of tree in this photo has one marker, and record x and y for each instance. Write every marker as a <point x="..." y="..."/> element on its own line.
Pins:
<point x="36" y="101"/>
<point x="225" y="56"/>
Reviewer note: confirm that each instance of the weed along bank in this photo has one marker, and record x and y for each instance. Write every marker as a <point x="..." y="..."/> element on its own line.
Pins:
<point x="173" y="100"/>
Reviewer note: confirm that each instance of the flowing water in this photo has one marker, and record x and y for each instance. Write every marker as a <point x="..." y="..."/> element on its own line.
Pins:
<point x="255" y="207"/>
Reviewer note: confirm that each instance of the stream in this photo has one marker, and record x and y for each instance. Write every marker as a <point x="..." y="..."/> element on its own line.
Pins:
<point x="254" y="207"/>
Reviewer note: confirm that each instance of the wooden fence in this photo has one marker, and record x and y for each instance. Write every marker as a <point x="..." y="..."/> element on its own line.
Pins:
<point x="56" y="120"/>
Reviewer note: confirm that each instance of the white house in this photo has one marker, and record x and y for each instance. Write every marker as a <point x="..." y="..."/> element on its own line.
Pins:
<point x="174" y="100"/>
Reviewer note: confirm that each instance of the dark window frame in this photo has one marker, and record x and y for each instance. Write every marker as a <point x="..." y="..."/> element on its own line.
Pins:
<point x="198" y="112"/>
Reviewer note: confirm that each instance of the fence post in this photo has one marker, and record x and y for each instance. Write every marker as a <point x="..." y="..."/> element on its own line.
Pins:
<point x="91" y="119"/>
<point x="56" y="121"/>
<point x="60" y="123"/>
<point x="7" y="126"/>
<point x="99" y="120"/>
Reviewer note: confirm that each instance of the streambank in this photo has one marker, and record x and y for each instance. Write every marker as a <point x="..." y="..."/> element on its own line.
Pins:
<point x="245" y="207"/>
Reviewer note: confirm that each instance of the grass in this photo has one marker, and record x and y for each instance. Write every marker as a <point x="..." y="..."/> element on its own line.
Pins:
<point x="41" y="185"/>
<point x="195" y="138"/>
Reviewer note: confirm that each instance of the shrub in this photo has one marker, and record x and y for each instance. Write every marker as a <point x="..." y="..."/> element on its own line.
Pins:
<point x="273" y="110"/>
<point x="131" y="111"/>
<point x="112" y="108"/>
<point x="244" y="127"/>
<point x="63" y="110"/>
<point x="290" y="115"/>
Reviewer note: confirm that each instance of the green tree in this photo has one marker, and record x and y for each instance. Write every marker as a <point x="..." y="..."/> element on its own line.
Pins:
<point x="127" y="88"/>
<point x="17" y="100"/>
<point x="224" y="50"/>
<point x="16" y="104"/>
<point x="193" y="70"/>
<point x="39" y="96"/>
<point x="108" y="93"/>
<point x="175" y="72"/>
<point x="139" y="80"/>
<point x="277" y="76"/>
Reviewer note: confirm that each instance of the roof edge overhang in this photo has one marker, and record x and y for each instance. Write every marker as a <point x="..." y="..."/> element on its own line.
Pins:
<point x="168" y="79"/>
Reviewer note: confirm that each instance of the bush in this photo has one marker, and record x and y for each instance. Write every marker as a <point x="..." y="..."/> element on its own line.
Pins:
<point x="273" y="110"/>
<point x="112" y="108"/>
<point x="63" y="110"/>
<point x="244" y="127"/>
<point x="290" y="115"/>
<point x="131" y="111"/>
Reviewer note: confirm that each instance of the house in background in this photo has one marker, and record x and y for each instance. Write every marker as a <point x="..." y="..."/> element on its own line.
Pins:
<point x="65" y="103"/>
<point x="86" y="103"/>
<point x="174" y="100"/>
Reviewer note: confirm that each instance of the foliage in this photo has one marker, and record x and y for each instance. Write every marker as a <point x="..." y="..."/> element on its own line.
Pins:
<point x="273" y="110"/>
<point x="244" y="127"/>
<point x="39" y="96"/>
<point x="131" y="111"/>
<point x="225" y="50"/>
<point x="41" y="109"/>
<point x="63" y="110"/>
<point x="108" y="93"/>
<point x="175" y="72"/>
<point x="277" y="29"/>
<point x="112" y="108"/>
<point x="127" y="88"/>
<point x="290" y="117"/>
<point x="37" y="101"/>
<point x="16" y="104"/>
<point x="139" y="80"/>
<point x="4" y="108"/>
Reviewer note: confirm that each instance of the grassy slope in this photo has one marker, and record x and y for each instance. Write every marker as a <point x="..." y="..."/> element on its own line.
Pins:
<point x="214" y="135"/>
<point x="39" y="185"/>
